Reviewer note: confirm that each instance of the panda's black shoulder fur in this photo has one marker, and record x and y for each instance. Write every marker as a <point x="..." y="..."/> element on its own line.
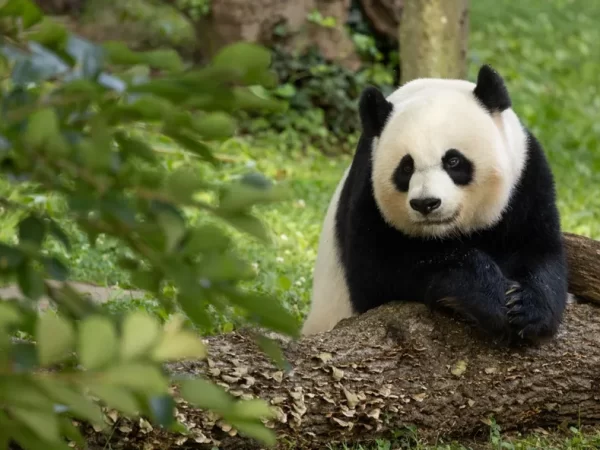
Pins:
<point x="510" y="280"/>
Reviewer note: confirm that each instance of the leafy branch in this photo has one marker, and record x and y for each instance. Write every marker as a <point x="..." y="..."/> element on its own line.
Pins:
<point x="68" y="128"/>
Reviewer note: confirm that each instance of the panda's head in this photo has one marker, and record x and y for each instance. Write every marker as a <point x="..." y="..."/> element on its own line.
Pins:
<point x="445" y="154"/>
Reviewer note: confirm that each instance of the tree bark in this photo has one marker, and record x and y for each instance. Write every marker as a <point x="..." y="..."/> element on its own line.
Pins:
<point x="230" y="21"/>
<point x="433" y="39"/>
<point x="61" y="6"/>
<point x="397" y="366"/>
<point x="383" y="15"/>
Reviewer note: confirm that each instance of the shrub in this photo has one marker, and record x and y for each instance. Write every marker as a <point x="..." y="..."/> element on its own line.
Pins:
<point x="67" y="130"/>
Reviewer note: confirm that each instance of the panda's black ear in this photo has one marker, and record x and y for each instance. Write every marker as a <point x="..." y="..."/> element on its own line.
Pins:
<point x="491" y="90"/>
<point x="374" y="110"/>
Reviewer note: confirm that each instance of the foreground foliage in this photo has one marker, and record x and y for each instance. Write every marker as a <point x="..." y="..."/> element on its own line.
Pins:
<point x="66" y="132"/>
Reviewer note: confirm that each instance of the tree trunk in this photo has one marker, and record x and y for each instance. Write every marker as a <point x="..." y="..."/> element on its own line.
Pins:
<point x="433" y="39"/>
<point x="398" y="366"/>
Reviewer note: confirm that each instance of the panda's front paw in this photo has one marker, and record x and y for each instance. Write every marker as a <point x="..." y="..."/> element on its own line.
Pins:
<point x="513" y="295"/>
<point x="526" y="318"/>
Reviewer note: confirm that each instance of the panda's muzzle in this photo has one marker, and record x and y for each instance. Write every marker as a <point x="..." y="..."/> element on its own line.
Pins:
<point x="425" y="205"/>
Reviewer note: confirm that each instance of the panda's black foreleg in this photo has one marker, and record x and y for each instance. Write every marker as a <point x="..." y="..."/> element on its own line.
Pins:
<point x="474" y="287"/>
<point x="526" y="307"/>
<point x="538" y="299"/>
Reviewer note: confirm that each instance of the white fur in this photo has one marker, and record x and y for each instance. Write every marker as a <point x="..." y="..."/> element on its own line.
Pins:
<point x="330" y="301"/>
<point x="429" y="117"/>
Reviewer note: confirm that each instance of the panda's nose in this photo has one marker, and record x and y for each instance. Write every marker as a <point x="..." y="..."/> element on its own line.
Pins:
<point x="425" y="205"/>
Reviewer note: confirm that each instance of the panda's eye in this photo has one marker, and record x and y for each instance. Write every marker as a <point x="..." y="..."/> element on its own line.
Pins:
<point x="408" y="168"/>
<point x="453" y="162"/>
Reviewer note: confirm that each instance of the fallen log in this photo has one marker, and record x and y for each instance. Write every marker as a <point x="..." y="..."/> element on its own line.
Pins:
<point x="583" y="257"/>
<point x="399" y="366"/>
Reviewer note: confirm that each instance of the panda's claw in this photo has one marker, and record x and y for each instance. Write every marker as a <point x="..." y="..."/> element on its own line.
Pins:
<point x="512" y="301"/>
<point x="512" y="289"/>
<point x="516" y="309"/>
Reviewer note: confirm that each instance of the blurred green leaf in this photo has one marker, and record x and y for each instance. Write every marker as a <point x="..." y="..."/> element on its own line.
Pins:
<point x="119" y="53"/>
<point x="247" y="223"/>
<point x="44" y="424"/>
<point x="182" y="344"/>
<point x="256" y="431"/>
<point x="97" y="344"/>
<point x="183" y="183"/>
<point x="71" y="432"/>
<point x="173" y="226"/>
<point x="49" y="33"/>
<point x="78" y="404"/>
<point x="10" y="257"/>
<point x="24" y="9"/>
<point x="273" y="350"/>
<point x="89" y="56"/>
<point x="55" y="338"/>
<point x="195" y="307"/>
<point x="30" y="281"/>
<point x="192" y="145"/>
<point x="145" y="378"/>
<point x="145" y="108"/>
<point x="24" y="393"/>
<point x="28" y="440"/>
<point x="55" y="230"/>
<point x="206" y="238"/>
<point x="43" y="133"/>
<point x="56" y="269"/>
<point x="135" y="147"/>
<point x="32" y="229"/>
<point x="115" y="397"/>
<point x="24" y="356"/>
<point x="206" y="395"/>
<point x="9" y="315"/>
<point x="140" y="332"/>
<point x="71" y="302"/>
<point x="266" y="310"/>
<point x="251" y="60"/>
<point x="252" y="409"/>
<point x="217" y="125"/>
<point x="240" y="196"/>
<point x="162" y="409"/>
<point x="254" y="99"/>
<point x="39" y="65"/>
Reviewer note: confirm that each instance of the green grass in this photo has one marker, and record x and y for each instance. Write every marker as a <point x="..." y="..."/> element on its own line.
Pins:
<point x="570" y="439"/>
<point x="548" y="52"/>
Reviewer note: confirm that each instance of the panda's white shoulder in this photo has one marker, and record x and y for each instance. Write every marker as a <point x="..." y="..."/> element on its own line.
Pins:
<point x="330" y="300"/>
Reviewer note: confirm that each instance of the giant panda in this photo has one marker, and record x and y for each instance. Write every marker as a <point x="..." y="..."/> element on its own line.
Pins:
<point x="450" y="201"/>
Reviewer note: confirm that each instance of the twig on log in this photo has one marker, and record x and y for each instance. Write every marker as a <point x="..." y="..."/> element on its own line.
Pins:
<point x="401" y="365"/>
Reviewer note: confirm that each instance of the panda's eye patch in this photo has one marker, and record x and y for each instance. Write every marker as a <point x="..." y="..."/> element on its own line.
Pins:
<point x="458" y="167"/>
<point x="407" y="164"/>
<point x="403" y="173"/>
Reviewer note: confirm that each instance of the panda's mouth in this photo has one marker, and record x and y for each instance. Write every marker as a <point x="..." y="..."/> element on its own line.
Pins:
<point x="445" y="221"/>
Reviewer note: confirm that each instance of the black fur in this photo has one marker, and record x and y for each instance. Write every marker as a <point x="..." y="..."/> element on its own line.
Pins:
<point x="510" y="280"/>
<point x="491" y="90"/>
<point x="374" y="110"/>
<point x="462" y="172"/>
<point x="403" y="173"/>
